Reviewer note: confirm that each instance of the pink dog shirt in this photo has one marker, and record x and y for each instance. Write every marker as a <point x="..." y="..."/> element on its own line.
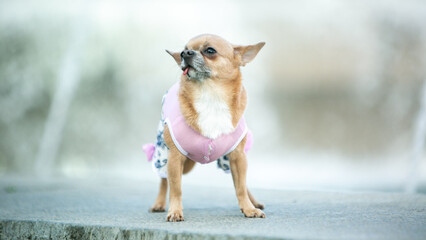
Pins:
<point x="188" y="141"/>
<point x="191" y="143"/>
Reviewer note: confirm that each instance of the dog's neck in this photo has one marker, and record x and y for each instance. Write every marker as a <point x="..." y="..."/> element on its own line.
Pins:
<point x="213" y="106"/>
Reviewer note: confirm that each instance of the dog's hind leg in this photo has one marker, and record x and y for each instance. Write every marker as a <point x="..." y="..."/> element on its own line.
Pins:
<point x="255" y="203"/>
<point x="160" y="203"/>
<point x="188" y="166"/>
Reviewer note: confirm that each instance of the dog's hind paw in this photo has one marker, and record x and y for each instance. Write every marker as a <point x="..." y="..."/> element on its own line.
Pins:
<point x="259" y="205"/>
<point x="158" y="208"/>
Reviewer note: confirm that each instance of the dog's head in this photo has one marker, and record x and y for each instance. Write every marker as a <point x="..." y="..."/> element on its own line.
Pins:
<point x="211" y="57"/>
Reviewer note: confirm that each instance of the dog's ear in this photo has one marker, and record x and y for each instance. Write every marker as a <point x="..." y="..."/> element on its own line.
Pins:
<point x="244" y="54"/>
<point x="176" y="56"/>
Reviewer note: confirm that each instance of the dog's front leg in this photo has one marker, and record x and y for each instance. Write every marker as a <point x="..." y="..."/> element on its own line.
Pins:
<point x="174" y="176"/>
<point x="238" y="164"/>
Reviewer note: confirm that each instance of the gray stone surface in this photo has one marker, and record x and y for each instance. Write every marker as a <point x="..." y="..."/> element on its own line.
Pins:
<point x="111" y="209"/>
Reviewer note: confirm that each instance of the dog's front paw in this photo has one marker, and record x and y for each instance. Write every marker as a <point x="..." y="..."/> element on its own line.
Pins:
<point x="175" y="216"/>
<point x="253" y="213"/>
<point x="158" y="207"/>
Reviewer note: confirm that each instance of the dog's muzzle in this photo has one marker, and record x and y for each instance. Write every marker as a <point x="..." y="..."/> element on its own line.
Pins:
<point x="186" y="54"/>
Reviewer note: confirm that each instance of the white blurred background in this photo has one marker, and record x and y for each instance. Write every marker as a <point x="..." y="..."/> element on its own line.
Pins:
<point x="334" y="96"/>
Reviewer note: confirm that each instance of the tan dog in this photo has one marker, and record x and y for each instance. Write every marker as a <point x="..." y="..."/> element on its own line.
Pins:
<point x="212" y="101"/>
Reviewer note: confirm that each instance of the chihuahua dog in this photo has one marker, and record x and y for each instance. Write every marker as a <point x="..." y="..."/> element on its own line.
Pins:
<point x="202" y="121"/>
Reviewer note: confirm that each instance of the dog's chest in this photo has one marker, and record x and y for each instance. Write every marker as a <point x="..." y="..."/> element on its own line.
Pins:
<point x="214" y="115"/>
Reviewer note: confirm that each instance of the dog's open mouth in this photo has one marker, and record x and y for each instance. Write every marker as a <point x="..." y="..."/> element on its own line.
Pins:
<point x="186" y="70"/>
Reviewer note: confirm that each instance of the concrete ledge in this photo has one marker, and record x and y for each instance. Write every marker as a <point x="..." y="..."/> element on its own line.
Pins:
<point x="111" y="209"/>
<point x="46" y="230"/>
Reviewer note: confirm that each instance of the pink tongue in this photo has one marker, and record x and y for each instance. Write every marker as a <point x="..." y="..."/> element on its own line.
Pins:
<point x="186" y="71"/>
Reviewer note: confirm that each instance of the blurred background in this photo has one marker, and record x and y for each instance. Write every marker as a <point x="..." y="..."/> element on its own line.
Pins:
<point x="335" y="96"/>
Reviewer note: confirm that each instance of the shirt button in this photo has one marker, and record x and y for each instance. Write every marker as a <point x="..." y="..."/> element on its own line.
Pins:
<point x="206" y="158"/>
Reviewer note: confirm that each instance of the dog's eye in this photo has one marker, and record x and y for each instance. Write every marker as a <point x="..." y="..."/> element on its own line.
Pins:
<point x="210" y="50"/>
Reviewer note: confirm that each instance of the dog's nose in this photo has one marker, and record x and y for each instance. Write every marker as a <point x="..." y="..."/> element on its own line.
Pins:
<point x="187" y="53"/>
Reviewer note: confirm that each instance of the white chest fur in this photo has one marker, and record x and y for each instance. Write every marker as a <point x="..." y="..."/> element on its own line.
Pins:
<point x="214" y="116"/>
